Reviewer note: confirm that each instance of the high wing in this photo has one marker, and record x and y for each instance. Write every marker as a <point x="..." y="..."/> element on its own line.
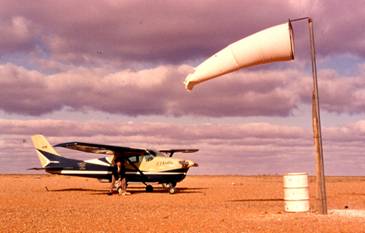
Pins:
<point x="116" y="151"/>
<point x="172" y="151"/>
<point x="103" y="149"/>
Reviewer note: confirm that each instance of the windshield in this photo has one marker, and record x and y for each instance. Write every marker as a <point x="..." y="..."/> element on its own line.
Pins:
<point x="150" y="154"/>
<point x="155" y="153"/>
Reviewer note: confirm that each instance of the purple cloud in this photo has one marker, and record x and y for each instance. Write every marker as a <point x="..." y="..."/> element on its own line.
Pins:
<point x="16" y="35"/>
<point x="168" y="32"/>
<point x="156" y="91"/>
<point x="159" y="91"/>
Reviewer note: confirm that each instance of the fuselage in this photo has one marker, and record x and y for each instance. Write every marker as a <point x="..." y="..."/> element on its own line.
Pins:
<point x="151" y="168"/>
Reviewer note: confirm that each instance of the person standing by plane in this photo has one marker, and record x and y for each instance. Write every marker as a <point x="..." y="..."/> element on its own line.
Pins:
<point x="118" y="175"/>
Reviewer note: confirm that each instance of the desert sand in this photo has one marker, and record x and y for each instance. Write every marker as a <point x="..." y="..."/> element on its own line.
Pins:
<point x="46" y="203"/>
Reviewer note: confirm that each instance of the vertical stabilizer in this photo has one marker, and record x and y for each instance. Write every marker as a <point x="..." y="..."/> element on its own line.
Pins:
<point x="45" y="151"/>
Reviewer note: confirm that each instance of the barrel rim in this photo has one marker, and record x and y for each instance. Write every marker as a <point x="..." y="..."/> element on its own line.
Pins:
<point x="295" y="173"/>
<point x="298" y="200"/>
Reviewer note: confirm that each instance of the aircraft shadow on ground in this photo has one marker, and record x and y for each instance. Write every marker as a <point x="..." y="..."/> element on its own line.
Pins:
<point x="258" y="200"/>
<point x="141" y="190"/>
<point x="133" y="190"/>
<point x="75" y="190"/>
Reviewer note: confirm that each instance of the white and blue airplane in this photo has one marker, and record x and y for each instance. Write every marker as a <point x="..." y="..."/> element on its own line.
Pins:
<point x="144" y="165"/>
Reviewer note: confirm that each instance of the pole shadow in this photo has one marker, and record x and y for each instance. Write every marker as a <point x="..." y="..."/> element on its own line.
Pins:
<point x="258" y="200"/>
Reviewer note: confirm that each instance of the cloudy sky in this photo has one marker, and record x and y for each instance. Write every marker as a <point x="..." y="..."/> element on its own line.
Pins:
<point x="113" y="72"/>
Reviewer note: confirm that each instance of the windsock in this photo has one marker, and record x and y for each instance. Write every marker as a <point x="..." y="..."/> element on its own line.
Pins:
<point x="269" y="45"/>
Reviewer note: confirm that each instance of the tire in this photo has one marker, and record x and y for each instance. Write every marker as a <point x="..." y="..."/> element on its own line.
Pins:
<point x="149" y="188"/>
<point x="172" y="190"/>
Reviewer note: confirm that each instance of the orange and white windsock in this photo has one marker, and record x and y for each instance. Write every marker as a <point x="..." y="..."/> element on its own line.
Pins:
<point x="270" y="45"/>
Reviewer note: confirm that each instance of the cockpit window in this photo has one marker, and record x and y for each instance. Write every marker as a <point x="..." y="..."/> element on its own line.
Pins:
<point x="150" y="154"/>
<point x="156" y="153"/>
<point x="134" y="159"/>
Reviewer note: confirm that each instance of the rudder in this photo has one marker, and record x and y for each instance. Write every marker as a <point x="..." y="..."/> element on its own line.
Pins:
<point x="45" y="151"/>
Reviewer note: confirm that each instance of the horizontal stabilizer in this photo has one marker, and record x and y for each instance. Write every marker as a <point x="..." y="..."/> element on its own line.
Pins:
<point x="36" y="168"/>
<point x="45" y="168"/>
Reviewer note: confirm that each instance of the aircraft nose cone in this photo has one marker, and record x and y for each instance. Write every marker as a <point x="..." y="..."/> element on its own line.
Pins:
<point x="192" y="164"/>
<point x="188" y="164"/>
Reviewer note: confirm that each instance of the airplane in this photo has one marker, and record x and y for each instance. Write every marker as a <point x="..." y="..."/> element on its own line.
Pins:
<point x="144" y="165"/>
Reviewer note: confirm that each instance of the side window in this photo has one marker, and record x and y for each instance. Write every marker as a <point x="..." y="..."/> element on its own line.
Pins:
<point x="134" y="159"/>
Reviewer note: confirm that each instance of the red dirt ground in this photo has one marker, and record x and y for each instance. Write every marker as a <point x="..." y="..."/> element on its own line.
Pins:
<point x="203" y="204"/>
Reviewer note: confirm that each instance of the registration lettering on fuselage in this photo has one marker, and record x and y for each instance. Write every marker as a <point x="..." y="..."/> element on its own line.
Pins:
<point x="164" y="163"/>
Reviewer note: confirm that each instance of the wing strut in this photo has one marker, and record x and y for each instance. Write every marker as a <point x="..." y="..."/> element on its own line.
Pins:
<point x="135" y="167"/>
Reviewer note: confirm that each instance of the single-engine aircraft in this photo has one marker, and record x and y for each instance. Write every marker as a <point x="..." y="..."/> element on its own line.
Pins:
<point x="144" y="165"/>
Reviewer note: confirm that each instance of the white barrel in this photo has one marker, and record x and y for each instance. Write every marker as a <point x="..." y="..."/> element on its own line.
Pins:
<point x="296" y="196"/>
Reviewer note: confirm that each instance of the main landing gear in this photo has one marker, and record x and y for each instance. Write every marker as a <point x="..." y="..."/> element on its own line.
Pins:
<point x="172" y="190"/>
<point x="149" y="188"/>
<point x="170" y="186"/>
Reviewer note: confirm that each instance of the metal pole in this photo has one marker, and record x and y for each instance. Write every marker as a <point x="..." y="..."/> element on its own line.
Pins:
<point x="317" y="134"/>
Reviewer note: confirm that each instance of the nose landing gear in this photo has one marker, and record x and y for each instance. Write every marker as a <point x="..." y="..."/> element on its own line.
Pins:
<point x="171" y="187"/>
<point x="172" y="190"/>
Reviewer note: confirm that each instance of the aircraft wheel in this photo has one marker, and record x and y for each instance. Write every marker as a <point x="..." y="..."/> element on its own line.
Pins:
<point x="172" y="190"/>
<point x="149" y="188"/>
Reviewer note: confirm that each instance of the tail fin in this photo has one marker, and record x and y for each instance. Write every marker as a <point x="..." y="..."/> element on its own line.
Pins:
<point x="45" y="151"/>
